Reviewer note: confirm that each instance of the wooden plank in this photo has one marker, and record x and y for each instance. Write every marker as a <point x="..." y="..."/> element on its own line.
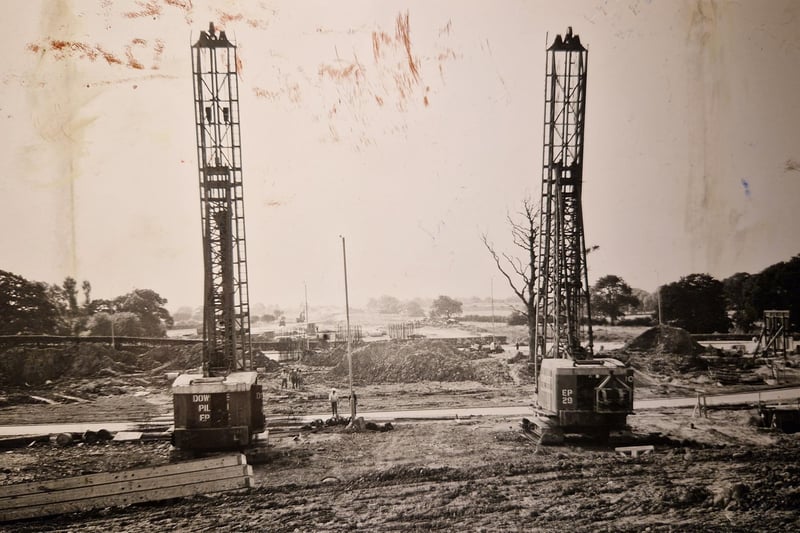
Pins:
<point x="73" y="398"/>
<point x="43" y="399"/>
<point x="127" y="435"/>
<point x="25" y="440"/>
<point x="180" y="491"/>
<point x="126" y="475"/>
<point x="123" y="487"/>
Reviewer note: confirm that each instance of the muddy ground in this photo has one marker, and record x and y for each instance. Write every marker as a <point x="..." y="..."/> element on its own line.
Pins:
<point x="720" y="473"/>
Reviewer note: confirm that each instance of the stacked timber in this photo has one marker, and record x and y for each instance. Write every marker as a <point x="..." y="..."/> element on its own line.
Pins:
<point x="97" y="491"/>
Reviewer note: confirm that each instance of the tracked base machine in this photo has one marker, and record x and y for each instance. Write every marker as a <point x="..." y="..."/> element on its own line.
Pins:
<point x="222" y="407"/>
<point x="591" y="397"/>
<point x="575" y="393"/>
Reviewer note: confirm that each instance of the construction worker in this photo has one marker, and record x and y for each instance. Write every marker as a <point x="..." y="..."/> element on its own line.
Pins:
<point x="334" y="399"/>
<point x="284" y="378"/>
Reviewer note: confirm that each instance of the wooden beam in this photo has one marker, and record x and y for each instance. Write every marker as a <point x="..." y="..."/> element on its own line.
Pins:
<point x="125" y="475"/>
<point x="95" y="491"/>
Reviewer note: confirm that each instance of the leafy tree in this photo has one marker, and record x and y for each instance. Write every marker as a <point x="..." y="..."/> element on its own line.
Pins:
<point x="385" y="305"/>
<point x="736" y="290"/>
<point x="101" y="305"/>
<point x="648" y="301"/>
<point x="413" y="308"/>
<point x="125" y="325"/>
<point x="148" y="305"/>
<point x="695" y="303"/>
<point x="611" y="295"/>
<point x="87" y="292"/>
<point x="27" y="307"/>
<point x="183" y="314"/>
<point x="776" y="287"/>
<point x="445" y="306"/>
<point x="70" y="287"/>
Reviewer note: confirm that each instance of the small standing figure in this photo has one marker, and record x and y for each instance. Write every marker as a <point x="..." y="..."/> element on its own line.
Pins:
<point x="517" y="346"/>
<point x="334" y="399"/>
<point x="284" y="378"/>
<point x="293" y="378"/>
<point x="299" y="379"/>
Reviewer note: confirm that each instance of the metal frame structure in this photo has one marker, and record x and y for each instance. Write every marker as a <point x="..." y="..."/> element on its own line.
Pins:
<point x="562" y="279"/>
<point x="226" y="315"/>
<point x="775" y="333"/>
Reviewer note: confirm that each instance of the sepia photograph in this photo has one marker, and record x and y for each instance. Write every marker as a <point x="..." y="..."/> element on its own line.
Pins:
<point x="400" y="265"/>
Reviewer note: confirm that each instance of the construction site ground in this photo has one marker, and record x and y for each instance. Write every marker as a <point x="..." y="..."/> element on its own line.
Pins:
<point x="716" y="471"/>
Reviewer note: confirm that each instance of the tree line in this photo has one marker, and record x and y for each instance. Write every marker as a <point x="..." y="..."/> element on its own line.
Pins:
<point x="698" y="303"/>
<point x="34" y="307"/>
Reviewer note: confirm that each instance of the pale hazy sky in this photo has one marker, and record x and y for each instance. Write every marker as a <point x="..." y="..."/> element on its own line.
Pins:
<point x="692" y="150"/>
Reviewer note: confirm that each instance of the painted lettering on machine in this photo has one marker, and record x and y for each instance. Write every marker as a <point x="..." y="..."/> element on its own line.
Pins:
<point x="203" y="404"/>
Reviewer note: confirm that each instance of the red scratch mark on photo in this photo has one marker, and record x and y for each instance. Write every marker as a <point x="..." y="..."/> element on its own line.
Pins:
<point x="266" y="94"/>
<point x="186" y="5"/>
<point x="132" y="61"/>
<point x="239" y="66"/>
<point x="353" y="70"/>
<point x="224" y="17"/>
<point x="63" y="49"/>
<point x="291" y="90"/>
<point x="379" y="39"/>
<point x="158" y="50"/>
<point x="403" y="34"/>
<point x="148" y="9"/>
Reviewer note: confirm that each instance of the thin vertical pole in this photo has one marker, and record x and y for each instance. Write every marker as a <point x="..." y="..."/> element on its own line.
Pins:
<point x="491" y="291"/>
<point x="349" y="353"/>
<point x="305" y="292"/>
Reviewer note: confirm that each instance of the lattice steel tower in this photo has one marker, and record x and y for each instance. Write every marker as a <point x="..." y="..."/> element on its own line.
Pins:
<point x="226" y="314"/>
<point x="562" y="281"/>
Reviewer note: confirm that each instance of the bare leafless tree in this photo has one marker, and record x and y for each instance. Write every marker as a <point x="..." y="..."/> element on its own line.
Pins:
<point x="520" y="270"/>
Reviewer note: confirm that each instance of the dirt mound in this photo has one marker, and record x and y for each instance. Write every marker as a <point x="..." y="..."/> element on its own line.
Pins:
<point x="22" y="364"/>
<point x="163" y="358"/>
<point x="268" y="365"/>
<point x="664" y="339"/>
<point x="330" y="357"/>
<point x="409" y="362"/>
<point x="668" y="365"/>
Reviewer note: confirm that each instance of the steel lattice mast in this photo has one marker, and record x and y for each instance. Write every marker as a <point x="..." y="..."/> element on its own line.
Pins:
<point x="562" y="281"/>
<point x="226" y="314"/>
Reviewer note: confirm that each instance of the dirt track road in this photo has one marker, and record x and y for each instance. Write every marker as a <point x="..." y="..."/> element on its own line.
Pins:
<point x="781" y="394"/>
